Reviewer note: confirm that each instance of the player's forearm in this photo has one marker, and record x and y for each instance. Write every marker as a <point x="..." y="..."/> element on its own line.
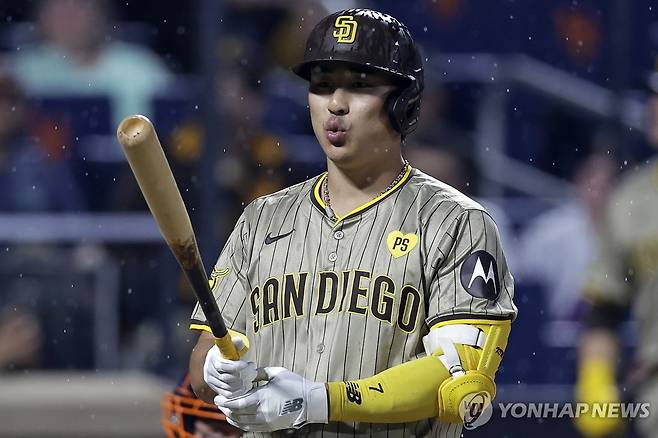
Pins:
<point x="407" y="392"/>
<point x="197" y="359"/>
<point x="599" y="349"/>
<point x="599" y="344"/>
<point x="597" y="364"/>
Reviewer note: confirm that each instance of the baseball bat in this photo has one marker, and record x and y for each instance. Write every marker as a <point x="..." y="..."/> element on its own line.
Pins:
<point x="149" y="165"/>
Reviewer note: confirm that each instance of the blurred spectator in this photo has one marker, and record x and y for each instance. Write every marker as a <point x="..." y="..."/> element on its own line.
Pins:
<point x="31" y="178"/>
<point x="77" y="56"/>
<point x="250" y="165"/>
<point x="557" y="247"/>
<point x="20" y="339"/>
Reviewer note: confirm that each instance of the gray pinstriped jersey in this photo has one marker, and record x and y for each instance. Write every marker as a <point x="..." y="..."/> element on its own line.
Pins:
<point x="625" y="269"/>
<point x="347" y="300"/>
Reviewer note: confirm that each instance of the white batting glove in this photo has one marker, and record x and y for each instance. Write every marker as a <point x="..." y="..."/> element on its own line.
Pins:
<point x="228" y="378"/>
<point x="287" y="401"/>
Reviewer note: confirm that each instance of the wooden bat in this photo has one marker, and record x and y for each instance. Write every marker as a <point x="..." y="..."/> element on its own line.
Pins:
<point x="147" y="160"/>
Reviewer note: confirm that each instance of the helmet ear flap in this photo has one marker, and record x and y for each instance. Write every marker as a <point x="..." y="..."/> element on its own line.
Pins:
<point x="403" y="106"/>
<point x="392" y="108"/>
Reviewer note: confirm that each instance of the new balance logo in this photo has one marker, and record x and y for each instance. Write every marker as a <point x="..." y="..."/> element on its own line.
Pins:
<point x="290" y="406"/>
<point x="353" y="393"/>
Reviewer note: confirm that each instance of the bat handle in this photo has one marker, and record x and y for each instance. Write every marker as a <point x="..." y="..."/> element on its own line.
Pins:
<point x="227" y="347"/>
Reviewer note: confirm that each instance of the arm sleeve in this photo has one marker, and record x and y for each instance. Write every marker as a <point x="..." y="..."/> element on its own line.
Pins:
<point x="406" y="392"/>
<point x="468" y="273"/>
<point x="608" y="277"/>
<point x="228" y="281"/>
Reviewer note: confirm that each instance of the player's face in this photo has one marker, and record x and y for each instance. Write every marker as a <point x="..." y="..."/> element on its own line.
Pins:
<point x="349" y="115"/>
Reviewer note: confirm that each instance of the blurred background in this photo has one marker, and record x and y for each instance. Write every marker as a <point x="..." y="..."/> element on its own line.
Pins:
<point x="532" y="107"/>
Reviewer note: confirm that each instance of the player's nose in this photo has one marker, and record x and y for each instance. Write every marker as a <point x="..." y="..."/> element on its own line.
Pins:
<point x="339" y="102"/>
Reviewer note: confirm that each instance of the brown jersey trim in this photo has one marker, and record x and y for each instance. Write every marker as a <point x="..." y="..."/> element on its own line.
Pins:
<point x="473" y="316"/>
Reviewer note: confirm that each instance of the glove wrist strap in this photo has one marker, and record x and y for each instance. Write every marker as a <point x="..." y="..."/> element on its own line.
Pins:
<point x="317" y="410"/>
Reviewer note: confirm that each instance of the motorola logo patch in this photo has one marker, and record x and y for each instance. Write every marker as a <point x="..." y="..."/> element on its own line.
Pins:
<point x="479" y="275"/>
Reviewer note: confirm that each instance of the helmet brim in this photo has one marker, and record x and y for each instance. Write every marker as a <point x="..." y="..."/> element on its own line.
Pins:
<point x="303" y="69"/>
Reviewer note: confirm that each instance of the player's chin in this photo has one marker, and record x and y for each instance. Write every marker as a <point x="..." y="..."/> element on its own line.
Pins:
<point x="338" y="153"/>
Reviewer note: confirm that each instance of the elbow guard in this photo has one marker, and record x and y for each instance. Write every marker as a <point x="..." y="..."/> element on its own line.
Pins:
<point x="471" y="352"/>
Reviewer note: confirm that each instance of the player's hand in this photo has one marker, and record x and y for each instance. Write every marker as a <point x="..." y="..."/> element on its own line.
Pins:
<point x="228" y="378"/>
<point x="287" y="401"/>
<point x="596" y="385"/>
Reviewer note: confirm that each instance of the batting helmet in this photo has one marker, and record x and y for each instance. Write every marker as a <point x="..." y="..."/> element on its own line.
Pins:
<point x="369" y="38"/>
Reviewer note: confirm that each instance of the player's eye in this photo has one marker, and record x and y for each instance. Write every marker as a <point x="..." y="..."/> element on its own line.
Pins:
<point x="361" y="84"/>
<point x="321" y="86"/>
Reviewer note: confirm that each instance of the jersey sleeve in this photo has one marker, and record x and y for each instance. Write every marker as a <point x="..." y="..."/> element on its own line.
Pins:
<point x="469" y="277"/>
<point x="228" y="281"/>
<point x="608" y="277"/>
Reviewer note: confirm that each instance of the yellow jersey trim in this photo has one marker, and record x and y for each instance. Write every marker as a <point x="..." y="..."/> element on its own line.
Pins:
<point x="201" y="327"/>
<point x="472" y="321"/>
<point x="361" y="208"/>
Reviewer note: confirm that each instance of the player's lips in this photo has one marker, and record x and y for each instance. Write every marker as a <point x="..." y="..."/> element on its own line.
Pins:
<point x="336" y="131"/>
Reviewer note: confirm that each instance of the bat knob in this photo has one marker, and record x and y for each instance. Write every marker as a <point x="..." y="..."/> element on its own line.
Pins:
<point x="132" y="129"/>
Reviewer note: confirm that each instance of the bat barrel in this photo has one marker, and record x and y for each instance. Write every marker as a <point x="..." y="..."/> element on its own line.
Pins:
<point x="149" y="165"/>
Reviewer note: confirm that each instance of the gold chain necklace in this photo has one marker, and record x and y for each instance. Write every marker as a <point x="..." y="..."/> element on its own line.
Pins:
<point x="327" y="199"/>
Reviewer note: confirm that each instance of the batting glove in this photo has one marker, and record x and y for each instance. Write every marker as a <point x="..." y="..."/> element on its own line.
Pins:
<point x="228" y="378"/>
<point x="287" y="401"/>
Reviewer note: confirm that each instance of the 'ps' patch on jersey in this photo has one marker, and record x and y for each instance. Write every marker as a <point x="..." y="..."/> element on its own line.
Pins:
<point x="479" y="275"/>
<point x="400" y="244"/>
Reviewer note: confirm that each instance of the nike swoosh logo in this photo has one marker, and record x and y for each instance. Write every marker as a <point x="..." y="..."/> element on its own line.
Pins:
<point x="271" y="239"/>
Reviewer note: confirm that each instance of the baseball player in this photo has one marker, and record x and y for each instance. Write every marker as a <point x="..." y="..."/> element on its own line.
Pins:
<point x="624" y="277"/>
<point x="371" y="299"/>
